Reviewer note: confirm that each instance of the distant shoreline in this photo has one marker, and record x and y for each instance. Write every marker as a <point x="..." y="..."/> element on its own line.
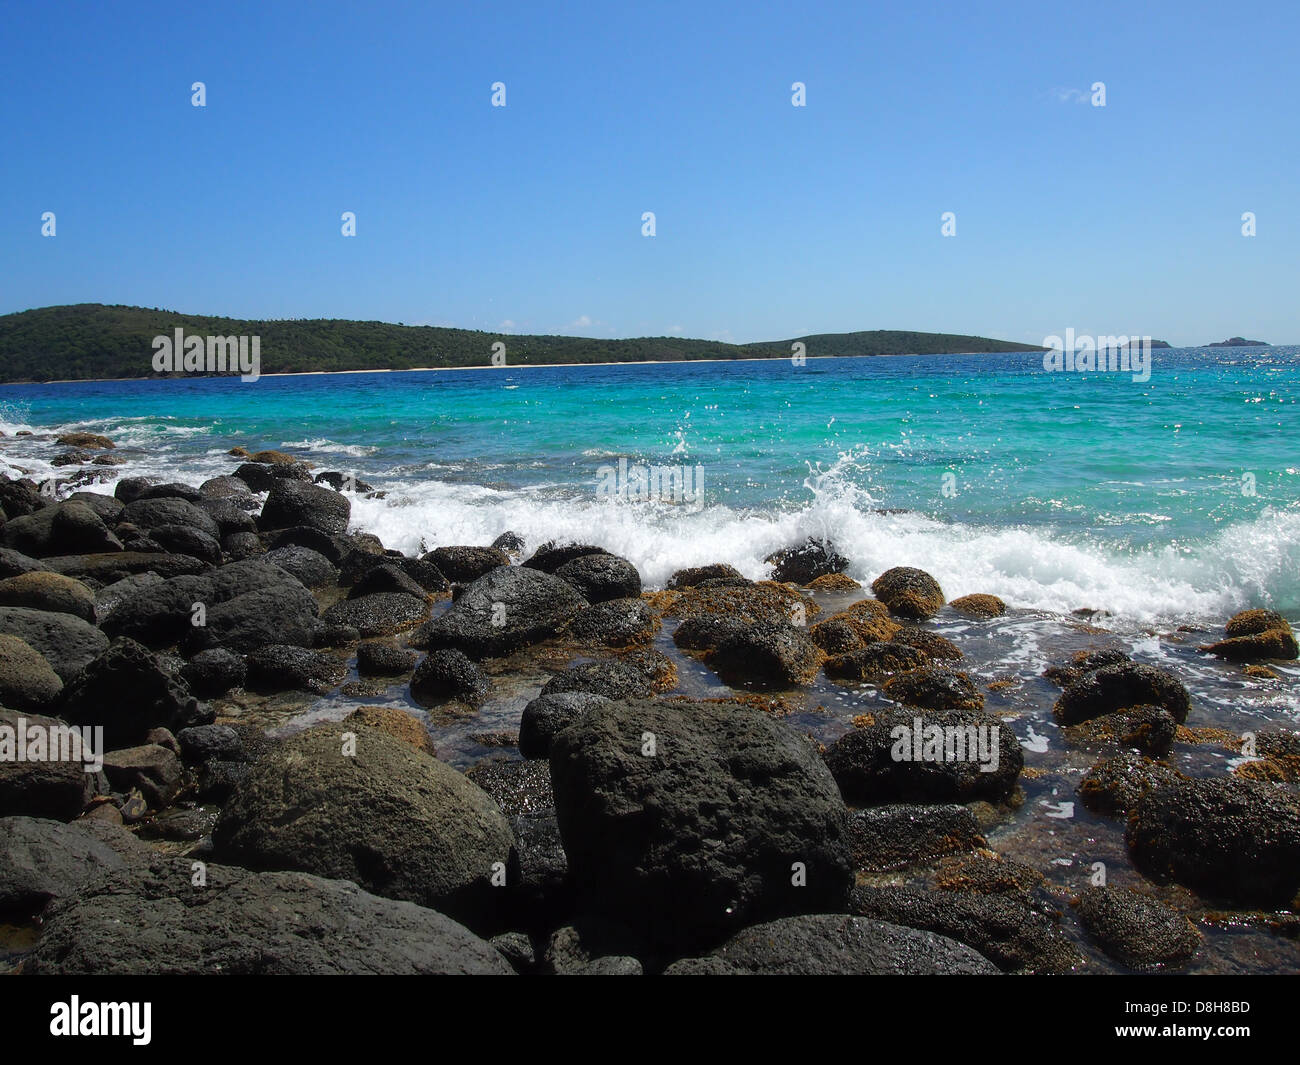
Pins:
<point x="508" y="366"/>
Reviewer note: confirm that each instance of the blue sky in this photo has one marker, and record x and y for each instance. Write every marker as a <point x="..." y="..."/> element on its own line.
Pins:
<point x="771" y="221"/>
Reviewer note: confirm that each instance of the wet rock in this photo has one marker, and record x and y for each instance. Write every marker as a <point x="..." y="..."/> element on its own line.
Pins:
<point x="27" y="682"/>
<point x="1252" y="622"/>
<point x="151" y="921"/>
<point x="395" y="722"/>
<point x="225" y="487"/>
<point x="935" y="647"/>
<point x="1273" y="645"/>
<point x="874" y="661"/>
<point x="465" y="564"/>
<point x="384" y="660"/>
<point x="333" y="547"/>
<point x="229" y="514"/>
<point x="610" y="677"/>
<point x="833" y="582"/>
<point x="1114" y="785"/>
<point x="281" y="667"/>
<point x="934" y="688"/>
<point x="908" y="592"/>
<point x="172" y="490"/>
<point x="448" y="674"/>
<point x="342" y="482"/>
<point x="262" y="478"/>
<point x="214" y="672"/>
<point x="704" y="632"/>
<point x="1002" y="928"/>
<point x="128" y="691"/>
<point x="807" y="562"/>
<point x="836" y="636"/>
<point x="1137" y="930"/>
<point x="1225" y="838"/>
<point x="547" y="715"/>
<point x="689" y="578"/>
<point x="617" y="623"/>
<point x="961" y="756"/>
<point x="55" y="790"/>
<point x="293" y="503"/>
<point x="59" y="529"/>
<point x="766" y="656"/>
<point x="979" y="606"/>
<point x="700" y="835"/>
<point x="882" y="838"/>
<point x="310" y="567"/>
<point x="1120" y="687"/>
<point x="511" y="543"/>
<point x="386" y="578"/>
<point x="600" y="578"/>
<point x="43" y="860"/>
<point x="382" y="614"/>
<point x="93" y="441"/>
<point x="1084" y="662"/>
<point x="203" y="743"/>
<point x="1148" y="729"/>
<point x="150" y="514"/>
<point x="836" y="945"/>
<point x="550" y="556"/>
<point x="67" y="643"/>
<point x="517" y="787"/>
<point x="153" y="770"/>
<point x="388" y="817"/>
<point x="129" y="489"/>
<point x="506" y="609"/>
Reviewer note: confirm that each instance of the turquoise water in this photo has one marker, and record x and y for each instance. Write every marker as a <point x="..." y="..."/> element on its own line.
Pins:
<point x="1178" y="497"/>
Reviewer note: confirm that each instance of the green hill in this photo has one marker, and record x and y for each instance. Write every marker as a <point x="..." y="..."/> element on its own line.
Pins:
<point x="91" y="340"/>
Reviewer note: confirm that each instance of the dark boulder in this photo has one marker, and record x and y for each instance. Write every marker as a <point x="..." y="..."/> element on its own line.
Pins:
<point x="1120" y="687"/>
<point x="600" y="578"/>
<point x="293" y="503"/>
<point x="908" y="592"/>
<point x="805" y="563"/>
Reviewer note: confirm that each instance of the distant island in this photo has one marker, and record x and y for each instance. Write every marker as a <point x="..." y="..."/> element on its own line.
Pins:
<point x="93" y="341"/>
<point x="1239" y="342"/>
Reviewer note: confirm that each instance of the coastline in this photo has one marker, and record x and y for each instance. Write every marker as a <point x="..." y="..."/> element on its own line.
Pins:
<point x="509" y="366"/>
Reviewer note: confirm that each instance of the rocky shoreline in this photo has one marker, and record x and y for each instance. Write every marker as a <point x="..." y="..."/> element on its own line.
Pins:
<point x="648" y="800"/>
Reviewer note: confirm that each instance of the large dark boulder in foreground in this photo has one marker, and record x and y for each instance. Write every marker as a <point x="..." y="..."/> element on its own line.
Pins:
<point x="601" y="578"/>
<point x="154" y="921"/>
<point x="1137" y="930"/>
<point x="68" y="643"/>
<point x="293" y="503"/>
<point x="42" y="860"/>
<point x="56" y="790"/>
<point x="805" y="563"/>
<point x="835" y="945"/>
<point x="688" y="821"/>
<point x="127" y="690"/>
<point x="506" y="609"/>
<point x="389" y="817"/>
<point x="768" y="656"/>
<point x="908" y="592"/>
<point x="1228" y="839"/>
<point x="961" y="756"/>
<point x="1120" y="687"/>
